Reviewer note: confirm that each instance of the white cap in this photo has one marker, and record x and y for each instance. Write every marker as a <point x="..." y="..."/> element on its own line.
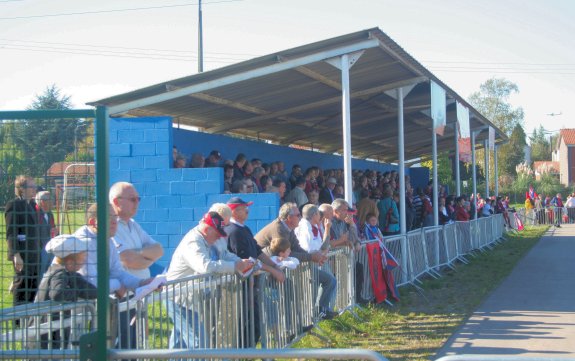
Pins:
<point x="65" y="245"/>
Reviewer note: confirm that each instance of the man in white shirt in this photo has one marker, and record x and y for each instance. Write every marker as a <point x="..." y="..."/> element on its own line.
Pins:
<point x="137" y="249"/>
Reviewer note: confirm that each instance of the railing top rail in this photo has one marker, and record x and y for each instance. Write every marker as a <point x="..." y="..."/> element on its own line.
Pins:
<point x="500" y="358"/>
<point x="332" y="354"/>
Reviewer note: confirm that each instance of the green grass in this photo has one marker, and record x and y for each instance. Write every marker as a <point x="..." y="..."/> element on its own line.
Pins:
<point x="418" y="326"/>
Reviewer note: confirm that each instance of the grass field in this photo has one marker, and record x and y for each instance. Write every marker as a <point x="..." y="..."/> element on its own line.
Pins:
<point x="418" y="325"/>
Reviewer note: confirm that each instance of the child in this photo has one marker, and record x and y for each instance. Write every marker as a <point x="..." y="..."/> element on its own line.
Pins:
<point x="280" y="249"/>
<point x="63" y="283"/>
<point x="370" y="228"/>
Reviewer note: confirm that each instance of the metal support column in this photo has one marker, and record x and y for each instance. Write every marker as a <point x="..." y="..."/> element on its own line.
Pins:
<point x="495" y="171"/>
<point x="474" y="216"/>
<point x="486" y="147"/>
<point x="456" y="161"/>
<point x="435" y="182"/>
<point x="346" y="120"/>
<point x="401" y="156"/>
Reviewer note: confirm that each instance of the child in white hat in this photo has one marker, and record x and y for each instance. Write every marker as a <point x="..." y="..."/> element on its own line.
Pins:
<point x="63" y="283"/>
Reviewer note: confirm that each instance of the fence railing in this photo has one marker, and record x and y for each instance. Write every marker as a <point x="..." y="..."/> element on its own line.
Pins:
<point x="548" y="215"/>
<point x="227" y="312"/>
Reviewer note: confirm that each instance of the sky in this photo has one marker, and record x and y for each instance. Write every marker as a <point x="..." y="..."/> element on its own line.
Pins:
<point x="96" y="49"/>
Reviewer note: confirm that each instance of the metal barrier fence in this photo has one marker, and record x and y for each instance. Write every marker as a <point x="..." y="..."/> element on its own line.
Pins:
<point x="548" y="215"/>
<point x="228" y="312"/>
<point x="501" y="358"/>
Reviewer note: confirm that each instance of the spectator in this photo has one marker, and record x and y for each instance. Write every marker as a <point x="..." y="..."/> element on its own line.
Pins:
<point x="239" y="186"/>
<point x="22" y="238"/>
<point x="295" y="174"/>
<point x="326" y="194"/>
<point x="279" y="186"/>
<point x="137" y="249"/>
<point x="283" y="227"/>
<point x="297" y="194"/>
<point x="280" y="249"/>
<point x="570" y="205"/>
<point x="461" y="214"/>
<point x="557" y="204"/>
<point x="258" y="173"/>
<point x="443" y="216"/>
<point x="250" y="186"/>
<point x="180" y="161"/>
<point x="228" y="178"/>
<point x="213" y="159"/>
<point x="241" y="242"/>
<point x="198" y="253"/>
<point x="388" y="213"/>
<point x="197" y="161"/>
<point x="418" y="207"/>
<point x="239" y="163"/>
<point x="46" y="228"/>
<point x="174" y="154"/>
<point x="266" y="183"/>
<point x="365" y="206"/>
<point x="313" y="197"/>
<point x="63" y="283"/>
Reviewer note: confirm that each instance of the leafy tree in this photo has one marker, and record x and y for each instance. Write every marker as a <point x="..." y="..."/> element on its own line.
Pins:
<point x="512" y="154"/>
<point x="46" y="141"/>
<point x="492" y="100"/>
<point x="540" y="145"/>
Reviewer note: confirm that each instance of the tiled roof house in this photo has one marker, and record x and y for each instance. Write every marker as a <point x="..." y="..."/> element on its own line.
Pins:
<point x="565" y="154"/>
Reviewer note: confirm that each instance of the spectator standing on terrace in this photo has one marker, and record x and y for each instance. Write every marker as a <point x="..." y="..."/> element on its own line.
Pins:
<point x="313" y="197"/>
<point x="297" y="194"/>
<point x="180" y="161"/>
<point x="199" y="252"/>
<point x="283" y="227"/>
<point x="280" y="188"/>
<point x="137" y="249"/>
<point x="22" y="238"/>
<point x="531" y="194"/>
<point x="364" y="207"/>
<point x="228" y="178"/>
<point x="295" y="174"/>
<point x="258" y="173"/>
<point x="570" y="205"/>
<point x="241" y="241"/>
<point x="239" y="163"/>
<point x="197" y="161"/>
<point x="417" y="207"/>
<point x="213" y="159"/>
<point x="388" y="213"/>
<point x="239" y="186"/>
<point x="326" y="194"/>
<point x="311" y="238"/>
<point x="486" y="210"/>
<point x="46" y="228"/>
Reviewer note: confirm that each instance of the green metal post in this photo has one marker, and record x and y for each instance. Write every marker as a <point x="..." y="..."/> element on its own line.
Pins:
<point x="94" y="346"/>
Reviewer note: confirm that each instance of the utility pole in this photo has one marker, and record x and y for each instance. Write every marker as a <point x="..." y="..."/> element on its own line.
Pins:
<point x="200" y="41"/>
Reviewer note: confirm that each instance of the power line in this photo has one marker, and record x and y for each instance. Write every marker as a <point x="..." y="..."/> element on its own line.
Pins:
<point x="115" y="10"/>
<point x="496" y="63"/>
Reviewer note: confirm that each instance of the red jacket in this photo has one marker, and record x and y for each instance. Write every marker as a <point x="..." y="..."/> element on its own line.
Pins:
<point x="461" y="214"/>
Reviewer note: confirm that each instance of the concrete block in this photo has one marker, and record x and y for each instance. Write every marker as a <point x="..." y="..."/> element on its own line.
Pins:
<point x="194" y="200"/>
<point x="120" y="150"/>
<point x="114" y="163"/>
<point x="143" y="149"/>
<point x="186" y="226"/>
<point x="251" y="225"/>
<point x="164" y="240"/>
<point x="163" y="123"/>
<point x="144" y="175"/>
<point x="163" y="148"/>
<point x="143" y="123"/>
<point x="168" y="202"/>
<point x="172" y="174"/>
<point x="140" y="187"/>
<point x="174" y="241"/>
<point x="129" y="163"/>
<point x="147" y="202"/>
<point x="120" y="176"/>
<point x="130" y="136"/>
<point x="222" y="198"/>
<point x="181" y="214"/>
<point x="192" y="174"/>
<point x="183" y="187"/>
<point x="156" y="135"/>
<point x="169" y="228"/>
<point x="259" y="213"/>
<point x="117" y="124"/>
<point x="209" y="187"/>
<point x="149" y="227"/>
<point x="157" y="188"/>
<point x="215" y="174"/>
<point x="260" y="225"/>
<point x="157" y="215"/>
<point x="161" y="161"/>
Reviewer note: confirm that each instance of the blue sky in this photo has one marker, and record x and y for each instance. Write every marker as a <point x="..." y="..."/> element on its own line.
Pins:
<point x="99" y="52"/>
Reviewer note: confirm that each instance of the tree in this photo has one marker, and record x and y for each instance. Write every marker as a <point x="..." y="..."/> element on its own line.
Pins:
<point x="512" y="154"/>
<point x="540" y="145"/>
<point x="492" y="101"/>
<point x="46" y="141"/>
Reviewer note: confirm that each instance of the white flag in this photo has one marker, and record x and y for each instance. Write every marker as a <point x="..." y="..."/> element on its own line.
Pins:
<point x="438" y="108"/>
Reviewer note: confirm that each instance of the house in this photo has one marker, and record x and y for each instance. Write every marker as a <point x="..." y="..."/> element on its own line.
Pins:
<point x="565" y="154"/>
<point x="546" y="166"/>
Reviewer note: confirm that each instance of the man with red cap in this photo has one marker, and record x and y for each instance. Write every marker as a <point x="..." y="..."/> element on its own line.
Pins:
<point x="198" y="253"/>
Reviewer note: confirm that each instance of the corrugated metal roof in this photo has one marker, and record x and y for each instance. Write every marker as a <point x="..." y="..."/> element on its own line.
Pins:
<point x="294" y="97"/>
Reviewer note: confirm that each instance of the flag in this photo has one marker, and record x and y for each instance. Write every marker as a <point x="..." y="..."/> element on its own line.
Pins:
<point x="491" y="138"/>
<point x="464" y="139"/>
<point x="518" y="221"/>
<point x="438" y="108"/>
<point x="388" y="261"/>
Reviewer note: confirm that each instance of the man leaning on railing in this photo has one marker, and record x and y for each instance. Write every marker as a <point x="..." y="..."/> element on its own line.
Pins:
<point x="198" y="253"/>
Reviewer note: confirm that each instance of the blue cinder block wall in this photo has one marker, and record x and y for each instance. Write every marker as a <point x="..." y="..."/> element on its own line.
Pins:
<point x="173" y="200"/>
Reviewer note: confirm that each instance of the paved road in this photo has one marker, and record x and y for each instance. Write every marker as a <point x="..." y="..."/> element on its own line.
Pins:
<point x="532" y="313"/>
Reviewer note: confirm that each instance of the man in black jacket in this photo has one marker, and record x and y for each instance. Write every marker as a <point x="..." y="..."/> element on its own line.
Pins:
<point x="22" y="238"/>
